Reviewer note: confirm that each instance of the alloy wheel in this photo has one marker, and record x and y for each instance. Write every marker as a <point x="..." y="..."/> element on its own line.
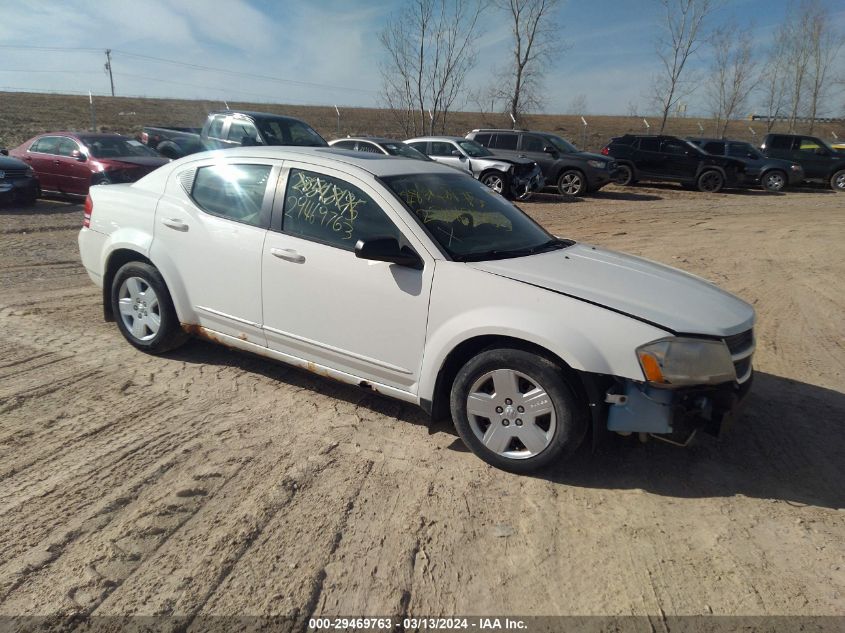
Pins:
<point x="571" y="184"/>
<point x="495" y="182"/>
<point x="139" y="308"/>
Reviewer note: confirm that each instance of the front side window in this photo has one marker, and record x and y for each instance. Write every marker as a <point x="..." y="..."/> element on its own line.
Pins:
<point x="441" y="148"/>
<point x="742" y="150"/>
<point x="332" y="211"/>
<point x="532" y="143"/>
<point x="810" y="145"/>
<point x="562" y="145"/>
<point x="675" y="147"/>
<point x="283" y="131"/>
<point x="714" y="148"/>
<point x="484" y="139"/>
<point x="401" y="149"/>
<point x="243" y="132"/>
<point x="467" y="219"/>
<point x="473" y="149"/>
<point x="235" y="192"/>
<point x="66" y="147"/>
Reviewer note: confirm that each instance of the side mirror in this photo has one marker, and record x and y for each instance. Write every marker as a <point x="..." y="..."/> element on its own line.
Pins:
<point x="78" y="156"/>
<point x="549" y="149"/>
<point x="457" y="154"/>
<point x="387" y="249"/>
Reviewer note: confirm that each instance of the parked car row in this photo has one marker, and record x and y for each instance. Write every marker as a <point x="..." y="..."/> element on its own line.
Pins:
<point x="514" y="163"/>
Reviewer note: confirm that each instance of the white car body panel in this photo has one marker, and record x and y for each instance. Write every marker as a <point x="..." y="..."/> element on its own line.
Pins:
<point x="654" y="292"/>
<point x="388" y="326"/>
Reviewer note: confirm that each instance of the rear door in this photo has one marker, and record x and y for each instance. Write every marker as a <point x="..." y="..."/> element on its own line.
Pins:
<point x="531" y="146"/>
<point x="209" y="232"/>
<point x="647" y="157"/>
<point x="41" y="155"/>
<point x="444" y="152"/>
<point x="505" y="144"/>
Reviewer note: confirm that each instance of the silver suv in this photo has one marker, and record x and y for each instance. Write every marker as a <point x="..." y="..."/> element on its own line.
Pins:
<point x="513" y="177"/>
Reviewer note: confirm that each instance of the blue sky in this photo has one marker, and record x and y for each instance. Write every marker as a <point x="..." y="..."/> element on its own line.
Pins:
<point x="328" y="50"/>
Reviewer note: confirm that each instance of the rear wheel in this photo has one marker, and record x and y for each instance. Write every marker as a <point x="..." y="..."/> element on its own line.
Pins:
<point x="515" y="410"/>
<point x="837" y="181"/>
<point x="572" y="183"/>
<point x="774" y="180"/>
<point x="143" y="309"/>
<point x="624" y="176"/>
<point x="710" y="181"/>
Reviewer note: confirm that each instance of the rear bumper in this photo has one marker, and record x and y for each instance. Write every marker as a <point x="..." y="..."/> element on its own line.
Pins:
<point x="91" y="245"/>
<point x="675" y="413"/>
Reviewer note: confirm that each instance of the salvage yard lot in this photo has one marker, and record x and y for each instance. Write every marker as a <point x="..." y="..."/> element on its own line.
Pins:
<point x="212" y="482"/>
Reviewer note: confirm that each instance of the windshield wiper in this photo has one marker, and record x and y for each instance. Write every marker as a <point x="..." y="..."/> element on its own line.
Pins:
<point x="551" y="245"/>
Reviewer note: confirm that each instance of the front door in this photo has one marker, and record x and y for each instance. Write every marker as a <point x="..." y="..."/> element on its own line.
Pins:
<point x="324" y="305"/>
<point x="211" y="237"/>
<point x="72" y="174"/>
<point x="450" y="154"/>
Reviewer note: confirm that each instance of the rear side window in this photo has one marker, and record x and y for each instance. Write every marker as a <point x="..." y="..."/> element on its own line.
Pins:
<point x="345" y="145"/>
<point x="484" y="139"/>
<point x="332" y="211"/>
<point x="671" y="146"/>
<point x="243" y="132"/>
<point x="779" y="142"/>
<point x="741" y="150"/>
<point x="234" y="192"/>
<point x="369" y="147"/>
<point x="504" y="141"/>
<point x="714" y="148"/>
<point x="420" y="146"/>
<point x="649" y="144"/>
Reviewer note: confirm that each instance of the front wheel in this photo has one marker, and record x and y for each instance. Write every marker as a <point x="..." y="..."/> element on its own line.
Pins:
<point x="710" y="181"/>
<point x="143" y="309"/>
<point x="572" y="183"/>
<point x="497" y="181"/>
<point x="515" y="410"/>
<point x="774" y="181"/>
<point x="837" y="181"/>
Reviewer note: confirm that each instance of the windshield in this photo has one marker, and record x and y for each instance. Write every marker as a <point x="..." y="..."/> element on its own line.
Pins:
<point x="561" y="145"/>
<point x="400" y="149"/>
<point x="468" y="220"/>
<point x="474" y="149"/>
<point x="289" y="132"/>
<point x="115" y="146"/>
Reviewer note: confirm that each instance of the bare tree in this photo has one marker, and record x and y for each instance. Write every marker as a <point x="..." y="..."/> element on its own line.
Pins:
<point x="535" y="42"/>
<point x="682" y="37"/>
<point x="733" y="75"/>
<point x="428" y="46"/>
<point x="797" y="52"/>
<point x="578" y="105"/>
<point x="825" y="45"/>
<point x="773" y="80"/>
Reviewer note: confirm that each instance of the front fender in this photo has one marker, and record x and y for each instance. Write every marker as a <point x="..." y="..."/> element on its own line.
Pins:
<point x="467" y="303"/>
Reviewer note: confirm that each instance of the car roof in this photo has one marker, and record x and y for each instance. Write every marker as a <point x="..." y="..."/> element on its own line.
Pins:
<point x="376" y="164"/>
<point x="435" y="138"/>
<point x="81" y="134"/>
<point x="257" y="115"/>
<point x="370" y="139"/>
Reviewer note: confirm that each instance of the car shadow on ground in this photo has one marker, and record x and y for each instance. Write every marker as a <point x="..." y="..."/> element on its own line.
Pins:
<point x="625" y="195"/>
<point x="43" y="206"/>
<point x="788" y="444"/>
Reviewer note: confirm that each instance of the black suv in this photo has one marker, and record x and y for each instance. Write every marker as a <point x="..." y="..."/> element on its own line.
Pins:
<point x="669" y="158"/>
<point x="773" y="174"/>
<point x="821" y="163"/>
<point x="573" y="172"/>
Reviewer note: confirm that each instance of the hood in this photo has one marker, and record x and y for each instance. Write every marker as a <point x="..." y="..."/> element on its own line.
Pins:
<point x="511" y="160"/>
<point x="7" y="162"/>
<point x="646" y="290"/>
<point x="590" y="156"/>
<point x="125" y="162"/>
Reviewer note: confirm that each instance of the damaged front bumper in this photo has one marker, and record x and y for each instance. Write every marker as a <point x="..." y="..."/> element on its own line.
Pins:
<point x="674" y="414"/>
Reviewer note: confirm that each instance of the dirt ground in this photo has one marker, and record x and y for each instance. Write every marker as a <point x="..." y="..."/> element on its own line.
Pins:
<point x="212" y="482"/>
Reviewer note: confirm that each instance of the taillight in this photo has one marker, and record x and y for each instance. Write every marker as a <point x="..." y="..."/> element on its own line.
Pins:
<point x="89" y="209"/>
<point x="605" y="151"/>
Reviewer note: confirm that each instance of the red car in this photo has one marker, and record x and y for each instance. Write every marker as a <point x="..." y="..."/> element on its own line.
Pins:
<point x="70" y="162"/>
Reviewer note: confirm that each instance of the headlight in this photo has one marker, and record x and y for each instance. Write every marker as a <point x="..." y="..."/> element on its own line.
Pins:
<point x="598" y="164"/>
<point x="686" y="361"/>
<point x="795" y="167"/>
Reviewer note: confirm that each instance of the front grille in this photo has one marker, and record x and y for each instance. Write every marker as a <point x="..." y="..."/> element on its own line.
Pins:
<point x="741" y="347"/>
<point x="11" y="174"/>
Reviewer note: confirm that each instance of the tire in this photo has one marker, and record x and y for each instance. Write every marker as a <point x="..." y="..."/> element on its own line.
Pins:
<point x="143" y="309"/>
<point x="774" y="180"/>
<point x="496" y="180"/>
<point x="837" y="181"/>
<point x="710" y="181"/>
<point x="523" y="442"/>
<point x="624" y="175"/>
<point x="572" y="183"/>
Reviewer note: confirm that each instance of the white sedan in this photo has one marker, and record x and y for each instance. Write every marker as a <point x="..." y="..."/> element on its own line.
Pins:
<point x="419" y="282"/>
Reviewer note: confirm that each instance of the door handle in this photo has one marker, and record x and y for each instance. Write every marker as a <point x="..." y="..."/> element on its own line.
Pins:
<point x="56" y="162"/>
<point x="288" y="254"/>
<point x="175" y="223"/>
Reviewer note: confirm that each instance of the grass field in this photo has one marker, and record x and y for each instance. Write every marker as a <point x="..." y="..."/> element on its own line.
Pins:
<point x="23" y="115"/>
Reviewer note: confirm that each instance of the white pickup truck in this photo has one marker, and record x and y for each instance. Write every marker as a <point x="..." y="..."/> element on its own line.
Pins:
<point x="420" y="283"/>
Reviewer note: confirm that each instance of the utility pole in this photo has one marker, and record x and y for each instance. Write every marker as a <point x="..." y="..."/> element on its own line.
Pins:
<point x="108" y="68"/>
